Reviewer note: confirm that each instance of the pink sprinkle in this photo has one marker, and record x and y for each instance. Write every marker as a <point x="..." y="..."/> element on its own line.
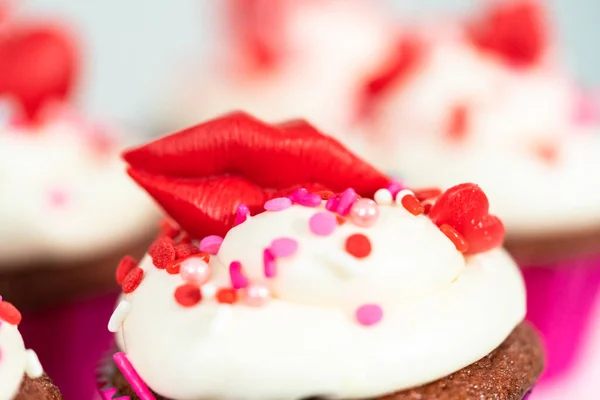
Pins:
<point x="211" y="244"/>
<point x="302" y="197"/>
<point x="332" y="204"/>
<point x="269" y="264"/>
<point x="395" y="186"/>
<point x="238" y="280"/>
<point x="322" y="223"/>
<point x="137" y="384"/>
<point x="347" y="198"/>
<point x="369" y="314"/>
<point x="587" y="109"/>
<point x="0" y="354"/>
<point x="58" y="198"/>
<point x="278" y="204"/>
<point x="110" y="393"/>
<point x="284" y="247"/>
<point x="241" y="214"/>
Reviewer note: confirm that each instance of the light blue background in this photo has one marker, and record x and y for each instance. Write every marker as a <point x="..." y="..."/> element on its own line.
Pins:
<point x="135" y="46"/>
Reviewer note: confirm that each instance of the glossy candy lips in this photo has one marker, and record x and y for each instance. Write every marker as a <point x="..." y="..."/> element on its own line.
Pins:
<point x="466" y="209"/>
<point x="200" y="175"/>
<point x="38" y="64"/>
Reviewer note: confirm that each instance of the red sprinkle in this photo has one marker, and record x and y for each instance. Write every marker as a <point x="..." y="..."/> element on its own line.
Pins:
<point x="188" y="295"/>
<point x="326" y="194"/>
<point x="132" y="280"/>
<point x="458" y="125"/>
<point x="227" y="295"/>
<point x="184" y="250"/>
<point x="9" y="313"/>
<point x="169" y="229"/>
<point x="426" y="194"/>
<point x="186" y="239"/>
<point x="162" y="252"/>
<point x="459" y="242"/>
<point x="412" y="205"/>
<point x="358" y="245"/>
<point x="340" y="220"/>
<point x="426" y="208"/>
<point x="126" y="264"/>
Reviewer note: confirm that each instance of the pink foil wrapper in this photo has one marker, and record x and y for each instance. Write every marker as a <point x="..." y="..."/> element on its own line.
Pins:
<point x="69" y="340"/>
<point x="560" y="301"/>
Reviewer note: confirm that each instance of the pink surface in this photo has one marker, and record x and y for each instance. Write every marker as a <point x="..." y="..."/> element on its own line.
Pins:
<point x="560" y="302"/>
<point x="582" y="381"/>
<point x="69" y="341"/>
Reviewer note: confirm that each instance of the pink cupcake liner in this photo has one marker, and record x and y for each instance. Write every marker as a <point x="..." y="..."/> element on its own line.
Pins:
<point x="560" y="301"/>
<point x="69" y="341"/>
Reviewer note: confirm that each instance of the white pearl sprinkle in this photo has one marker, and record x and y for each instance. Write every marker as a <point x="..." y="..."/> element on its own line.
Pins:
<point x="401" y="194"/>
<point x="118" y="316"/>
<point x="221" y="318"/>
<point x="33" y="368"/>
<point x="384" y="197"/>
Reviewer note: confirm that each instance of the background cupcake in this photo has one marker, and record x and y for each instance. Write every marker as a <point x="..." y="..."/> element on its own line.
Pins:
<point x="21" y="375"/>
<point x="486" y="99"/>
<point x="363" y="272"/>
<point x="67" y="215"/>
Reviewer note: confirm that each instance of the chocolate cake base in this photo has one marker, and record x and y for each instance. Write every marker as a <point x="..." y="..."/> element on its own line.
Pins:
<point x="554" y="248"/>
<point x="42" y="285"/>
<point x="507" y="373"/>
<point x="38" y="389"/>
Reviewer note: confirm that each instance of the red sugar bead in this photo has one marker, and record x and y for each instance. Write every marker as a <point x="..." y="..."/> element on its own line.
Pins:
<point x="174" y="267"/>
<point x="412" y="205"/>
<point x="132" y="280"/>
<point x="227" y="295"/>
<point x="358" y="245"/>
<point x="188" y="295"/>
<point x="326" y="194"/>
<point x="426" y="194"/>
<point x="9" y="313"/>
<point x="169" y="229"/>
<point x="185" y="250"/>
<point x="126" y="264"/>
<point x="459" y="242"/>
<point x="162" y="252"/>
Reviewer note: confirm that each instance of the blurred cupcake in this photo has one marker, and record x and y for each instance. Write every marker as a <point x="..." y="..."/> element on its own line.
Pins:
<point x="21" y="375"/>
<point x="485" y="101"/>
<point x="307" y="298"/>
<point x="67" y="214"/>
<point x="287" y="59"/>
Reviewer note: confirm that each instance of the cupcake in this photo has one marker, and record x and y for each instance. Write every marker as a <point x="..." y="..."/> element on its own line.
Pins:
<point x="280" y="282"/>
<point x="286" y="59"/>
<point x="67" y="213"/>
<point x="21" y="375"/>
<point x="485" y="100"/>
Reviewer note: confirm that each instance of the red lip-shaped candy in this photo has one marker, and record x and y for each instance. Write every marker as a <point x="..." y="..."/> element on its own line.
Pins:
<point x="514" y="29"/>
<point x="38" y="64"/>
<point x="200" y="175"/>
<point x="466" y="209"/>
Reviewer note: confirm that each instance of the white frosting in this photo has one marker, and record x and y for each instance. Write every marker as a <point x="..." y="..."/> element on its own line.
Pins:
<point x="13" y="360"/>
<point x="332" y="47"/>
<point x="94" y="189"/>
<point x="510" y="113"/>
<point x="442" y="312"/>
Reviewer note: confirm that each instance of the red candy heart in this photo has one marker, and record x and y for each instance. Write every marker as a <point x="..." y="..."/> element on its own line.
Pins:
<point x="38" y="64"/>
<point x="202" y="174"/>
<point x="466" y="209"/>
<point x="514" y="29"/>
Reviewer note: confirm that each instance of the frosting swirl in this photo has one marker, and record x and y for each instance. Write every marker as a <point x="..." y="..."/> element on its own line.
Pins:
<point x="310" y="338"/>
